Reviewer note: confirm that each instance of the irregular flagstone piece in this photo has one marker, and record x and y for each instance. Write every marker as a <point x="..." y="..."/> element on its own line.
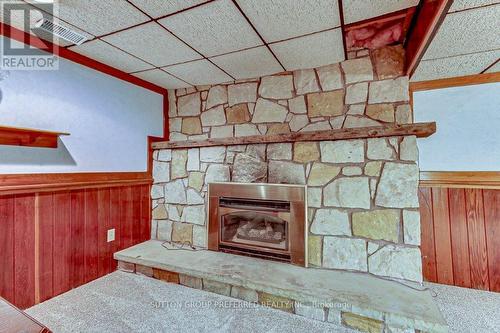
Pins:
<point x="248" y="169"/>
<point x="193" y="162"/>
<point x="314" y="196"/>
<point x="281" y="172"/>
<point x="194" y="197"/>
<point x="383" y="112"/>
<point x="213" y="154"/>
<point x="360" y="323"/>
<point x="357" y="70"/>
<point x="160" y="212"/>
<point x="305" y="152"/>
<point x="173" y="213"/>
<point x="352" y="171"/>
<point x="344" y="151"/>
<point x="277" y="302"/>
<point x="355" y="122"/>
<point x="190" y="281"/>
<point x="337" y="122"/>
<point x="165" y="155"/>
<point x="397" y="262"/>
<point x="298" y="122"/>
<point x="179" y="160"/>
<point x="199" y="236"/>
<point x="276" y="87"/>
<point x="189" y="105"/>
<point x="318" y="126"/>
<point x="164" y="230"/>
<point x="217" y="173"/>
<point x="242" y="93"/>
<point x="322" y="173"/>
<point x="191" y="125"/>
<point x="344" y="253"/>
<point x="172" y="107"/>
<point x="411" y="223"/>
<point x="268" y="112"/>
<point x="373" y="187"/>
<point x="161" y="172"/>
<point x="175" y="192"/>
<point x="217" y="95"/>
<point x="222" y="131"/>
<point x="217" y="287"/>
<point x="403" y="114"/>
<point x="297" y="105"/>
<point x="373" y="168"/>
<point x="351" y="192"/>
<point x="409" y="150"/>
<point x="157" y="192"/>
<point x="182" y="233"/>
<point x="194" y="214"/>
<point x="195" y="180"/>
<point x="262" y="129"/>
<point x="245" y="130"/>
<point x="278" y="129"/>
<point x="238" y="114"/>
<point x="377" y="224"/>
<point x="305" y="81"/>
<point x="257" y="151"/>
<point x="315" y="244"/>
<point x="326" y="104"/>
<point x="330" y="77"/>
<point x="398" y="186"/>
<point x="214" y="116"/>
<point x="309" y="311"/>
<point x="379" y="149"/>
<point x="245" y="294"/>
<point x="389" y="91"/>
<point x="357" y="93"/>
<point x="331" y="222"/>
<point x="389" y="61"/>
<point x="357" y="109"/>
<point x="279" y="151"/>
<point x="174" y="136"/>
<point x="175" y="124"/>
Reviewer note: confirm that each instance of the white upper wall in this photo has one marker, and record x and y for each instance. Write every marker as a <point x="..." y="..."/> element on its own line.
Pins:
<point x="468" y="128"/>
<point x="108" y="119"/>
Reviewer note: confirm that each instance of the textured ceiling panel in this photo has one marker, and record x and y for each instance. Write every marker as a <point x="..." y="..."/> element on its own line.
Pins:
<point x="199" y="72"/>
<point x="212" y="29"/>
<point x="111" y="56"/>
<point x="159" y="8"/>
<point x="495" y="68"/>
<point x="465" y="4"/>
<point x="249" y="64"/>
<point x="282" y="19"/>
<point x="100" y="17"/>
<point x="466" y="32"/>
<point x="454" y="66"/>
<point x="310" y="51"/>
<point x="359" y="10"/>
<point x="162" y="79"/>
<point x="154" y="44"/>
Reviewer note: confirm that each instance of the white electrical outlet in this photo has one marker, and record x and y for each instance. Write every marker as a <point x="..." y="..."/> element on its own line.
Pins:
<point x="111" y="235"/>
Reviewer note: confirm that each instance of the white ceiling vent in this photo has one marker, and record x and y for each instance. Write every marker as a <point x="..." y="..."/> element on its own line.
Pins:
<point x="45" y="25"/>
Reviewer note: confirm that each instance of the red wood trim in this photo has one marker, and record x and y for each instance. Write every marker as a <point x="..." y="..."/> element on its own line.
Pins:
<point x="16" y="136"/>
<point x="429" y="17"/>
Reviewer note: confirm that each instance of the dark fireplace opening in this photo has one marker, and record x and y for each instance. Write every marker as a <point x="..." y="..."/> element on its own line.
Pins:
<point x="263" y="227"/>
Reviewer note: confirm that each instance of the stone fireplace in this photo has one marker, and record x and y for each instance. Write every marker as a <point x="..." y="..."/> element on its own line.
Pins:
<point x="362" y="204"/>
<point x="261" y="220"/>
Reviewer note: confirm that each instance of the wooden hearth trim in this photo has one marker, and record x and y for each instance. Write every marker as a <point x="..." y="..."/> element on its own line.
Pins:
<point x="460" y="179"/>
<point x="420" y="130"/>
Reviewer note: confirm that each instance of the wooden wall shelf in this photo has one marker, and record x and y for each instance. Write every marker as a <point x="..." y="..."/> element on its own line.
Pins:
<point x="27" y="137"/>
<point x="420" y="130"/>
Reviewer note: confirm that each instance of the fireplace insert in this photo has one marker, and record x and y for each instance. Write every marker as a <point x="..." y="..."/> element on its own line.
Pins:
<point x="260" y="220"/>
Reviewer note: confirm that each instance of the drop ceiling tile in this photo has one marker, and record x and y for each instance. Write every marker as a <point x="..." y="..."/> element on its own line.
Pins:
<point x="215" y="28"/>
<point x="162" y="79"/>
<point x="159" y="8"/>
<point x="199" y="72"/>
<point x="359" y="10"/>
<point x="282" y="19"/>
<point x="249" y="63"/>
<point x="495" y="68"/>
<point x="466" y="32"/>
<point x="454" y="66"/>
<point x="110" y="55"/>
<point x="310" y="51"/>
<point x="466" y="4"/>
<point x="100" y="17"/>
<point x="153" y="44"/>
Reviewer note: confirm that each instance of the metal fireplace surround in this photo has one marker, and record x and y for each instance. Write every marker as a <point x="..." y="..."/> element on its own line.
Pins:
<point x="260" y="220"/>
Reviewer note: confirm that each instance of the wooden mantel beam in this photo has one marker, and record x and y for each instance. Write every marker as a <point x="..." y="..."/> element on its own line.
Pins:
<point x="430" y="14"/>
<point x="420" y="130"/>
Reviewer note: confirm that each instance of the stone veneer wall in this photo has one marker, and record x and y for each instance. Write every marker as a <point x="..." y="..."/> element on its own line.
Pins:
<point x="362" y="194"/>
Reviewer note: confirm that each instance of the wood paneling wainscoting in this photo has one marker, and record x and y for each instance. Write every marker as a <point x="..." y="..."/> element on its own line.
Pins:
<point x="56" y="240"/>
<point x="460" y="223"/>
